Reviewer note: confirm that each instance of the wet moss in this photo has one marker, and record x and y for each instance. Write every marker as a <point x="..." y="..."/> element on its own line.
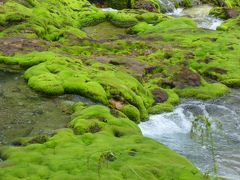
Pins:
<point x="48" y="20"/>
<point x="131" y="112"/>
<point x="206" y="91"/>
<point x="28" y="59"/>
<point x="166" y="106"/>
<point x="92" y="155"/>
<point x="100" y="141"/>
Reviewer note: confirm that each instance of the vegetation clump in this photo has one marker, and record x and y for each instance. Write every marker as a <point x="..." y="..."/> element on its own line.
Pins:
<point x="145" y="67"/>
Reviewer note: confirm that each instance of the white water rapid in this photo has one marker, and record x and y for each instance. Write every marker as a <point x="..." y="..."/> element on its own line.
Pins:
<point x="200" y="14"/>
<point x="173" y="130"/>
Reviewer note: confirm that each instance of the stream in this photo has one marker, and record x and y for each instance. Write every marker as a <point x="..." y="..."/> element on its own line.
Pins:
<point x="200" y="14"/>
<point x="24" y="112"/>
<point x="221" y="155"/>
<point x="173" y="130"/>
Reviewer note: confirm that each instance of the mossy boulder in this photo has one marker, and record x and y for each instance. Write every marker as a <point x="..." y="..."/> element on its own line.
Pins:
<point x="129" y="18"/>
<point x="47" y="83"/>
<point x="206" y="91"/>
<point x="166" y="106"/>
<point x="131" y="112"/>
<point x="120" y="74"/>
<point x="48" y="19"/>
<point x="65" y="75"/>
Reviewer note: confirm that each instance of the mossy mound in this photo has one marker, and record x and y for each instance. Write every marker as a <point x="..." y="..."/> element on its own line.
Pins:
<point x="169" y="24"/>
<point x="166" y="106"/>
<point x="108" y="147"/>
<point x="28" y="59"/>
<point x="129" y="18"/>
<point x="49" y="20"/>
<point x="65" y="75"/>
<point x="164" y="53"/>
<point x="131" y="112"/>
<point x="230" y="25"/>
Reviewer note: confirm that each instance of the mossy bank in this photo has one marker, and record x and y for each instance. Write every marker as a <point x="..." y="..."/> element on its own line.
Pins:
<point x="138" y="62"/>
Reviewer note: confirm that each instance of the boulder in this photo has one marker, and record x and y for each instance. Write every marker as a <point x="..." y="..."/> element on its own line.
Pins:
<point x="159" y="95"/>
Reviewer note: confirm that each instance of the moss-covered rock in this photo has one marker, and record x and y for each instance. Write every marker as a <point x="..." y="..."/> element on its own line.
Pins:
<point x="129" y="18"/>
<point x="48" y="20"/>
<point x="224" y="3"/>
<point x="166" y="106"/>
<point x="70" y="76"/>
<point x="168" y="54"/>
<point x="131" y="112"/>
<point x="98" y="146"/>
<point x="208" y="91"/>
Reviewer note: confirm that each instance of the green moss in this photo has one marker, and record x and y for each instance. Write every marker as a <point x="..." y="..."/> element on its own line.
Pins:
<point x="230" y="24"/>
<point x="122" y="19"/>
<point x="218" y="12"/>
<point x="49" y="20"/>
<point x="92" y="90"/>
<point x="29" y="59"/>
<point x="206" y="91"/>
<point x="140" y="27"/>
<point x="231" y="82"/>
<point x="174" y="23"/>
<point x="129" y="18"/>
<point x="46" y="83"/>
<point x="131" y="112"/>
<point x="98" y="119"/>
<point x="122" y="84"/>
<point x="92" y="154"/>
<point x="99" y="140"/>
<point x="91" y="82"/>
<point x="166" y="106"/>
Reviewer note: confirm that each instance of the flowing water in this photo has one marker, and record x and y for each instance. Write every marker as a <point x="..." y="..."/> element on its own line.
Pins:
<point x="24" y="112"/>
<point x="173" y="129"/>
<point x="200" y="14"/>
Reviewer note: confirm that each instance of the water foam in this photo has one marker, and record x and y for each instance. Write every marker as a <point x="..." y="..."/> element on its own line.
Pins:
<point x="173" y="130"/>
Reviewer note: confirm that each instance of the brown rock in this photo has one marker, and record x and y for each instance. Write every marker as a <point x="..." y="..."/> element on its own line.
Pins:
<point x="115" y="104"/>
<point x="169" y="83"/>
<point x="186" y="77"/>
<point x="159" y="95"/>
<point x="11" y="45"/>
<point x="147" y="5"/>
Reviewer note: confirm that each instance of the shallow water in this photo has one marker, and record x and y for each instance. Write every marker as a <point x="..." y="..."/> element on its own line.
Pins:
<point x="24" y="112"/>
<point x="173" y="130"/>
<point x="104" y="30"/>
<point x="200" y="14"/>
